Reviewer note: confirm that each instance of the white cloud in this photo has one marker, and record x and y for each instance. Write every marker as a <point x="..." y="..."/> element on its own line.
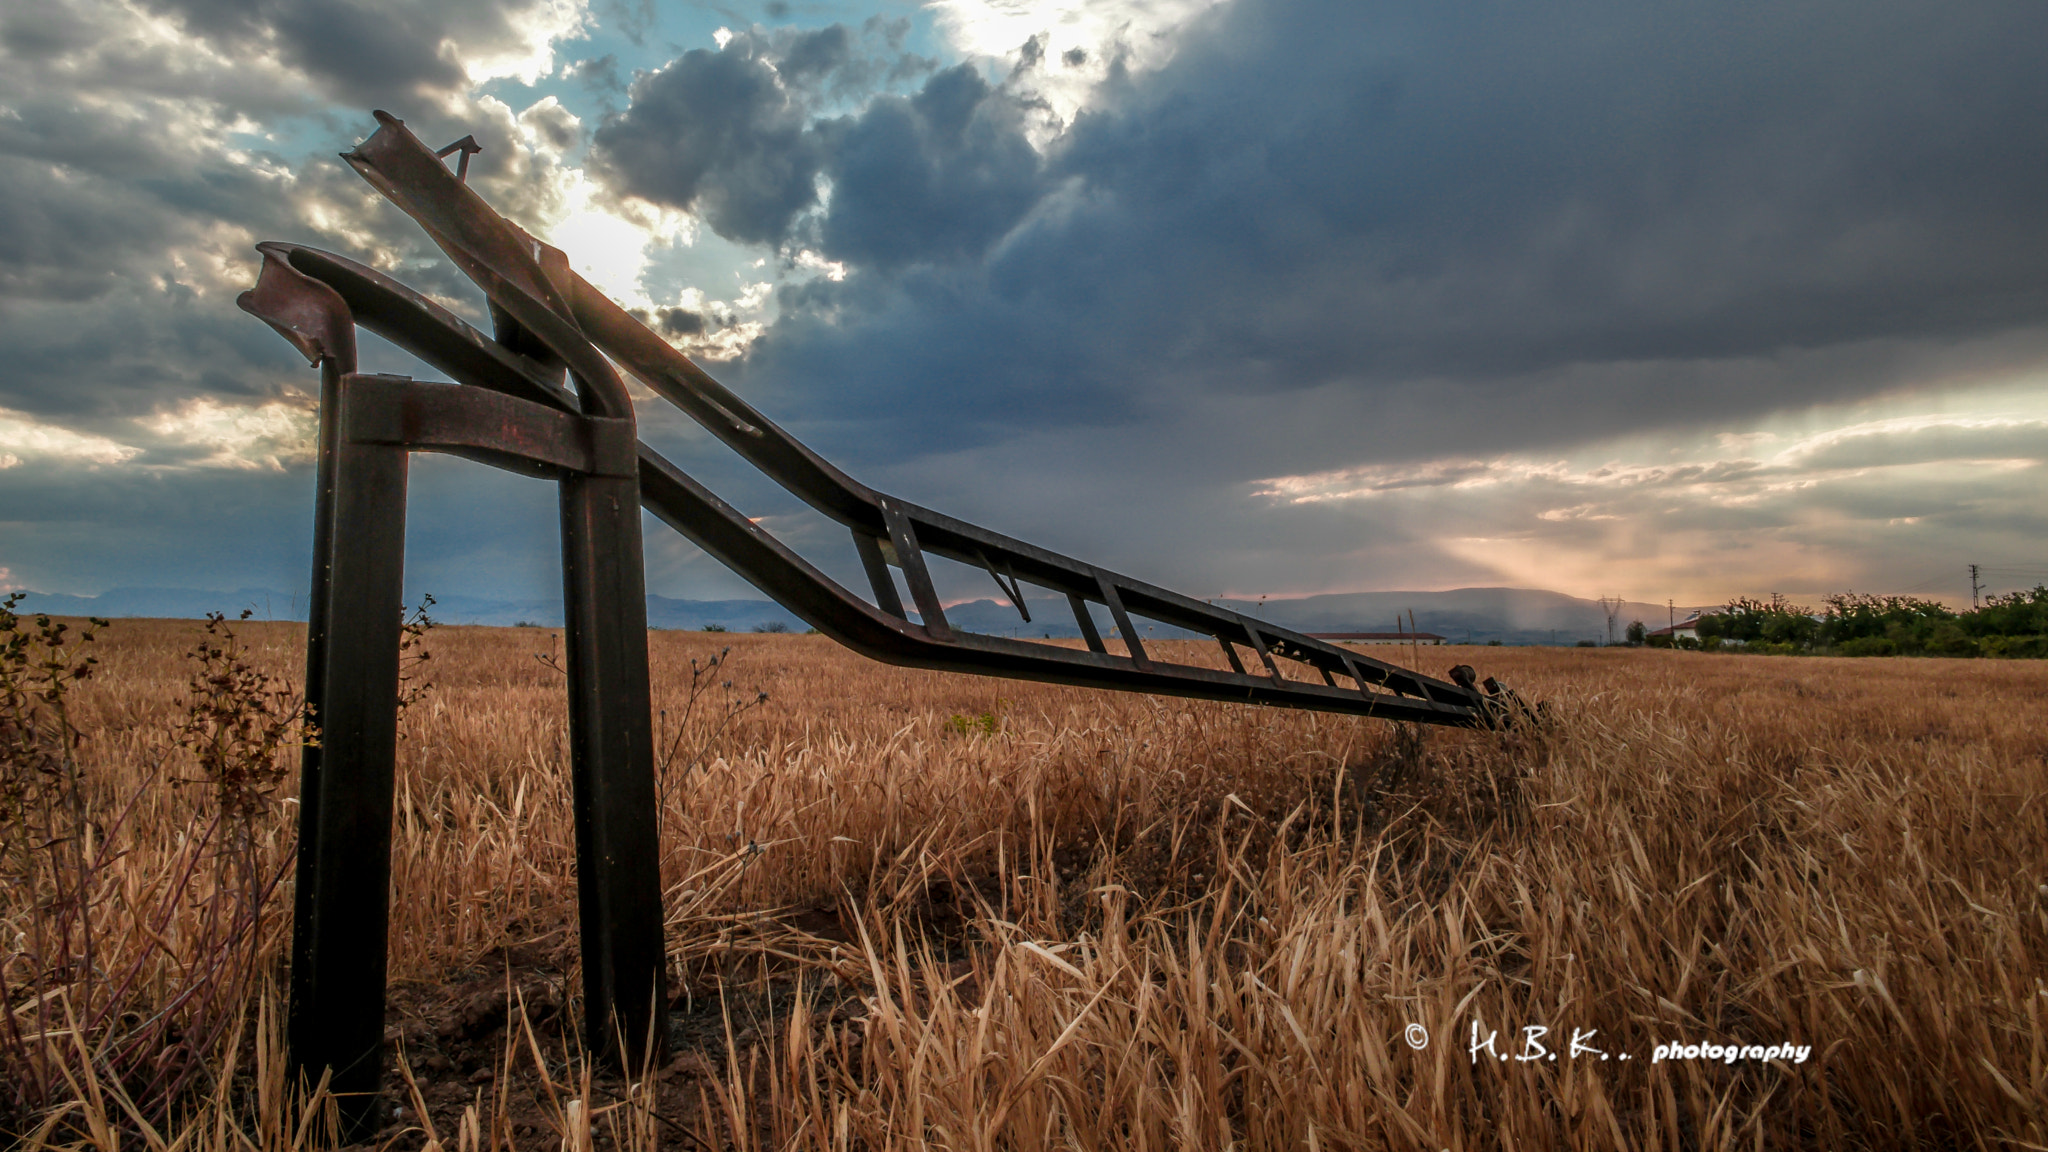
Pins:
<point x="270" y="436"/>
<point x="1142" y="28"/>
<point x="1854" y="497"/>
<point x="1140" y="33"/>
<point x="1856" y="450"/>
<point x="527" y="53"/>
<point x="23" y="439"/>
<point x="833" y="270"/>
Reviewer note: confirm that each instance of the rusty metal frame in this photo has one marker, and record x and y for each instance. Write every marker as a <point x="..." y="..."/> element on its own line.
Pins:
<point x="369" y="426"/>
<point x="541" y="395"/>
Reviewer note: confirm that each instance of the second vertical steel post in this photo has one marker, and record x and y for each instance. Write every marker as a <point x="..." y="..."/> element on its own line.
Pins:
<point x="618" y="881"/>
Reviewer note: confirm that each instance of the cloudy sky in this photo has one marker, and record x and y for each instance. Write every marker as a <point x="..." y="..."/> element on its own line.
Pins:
<point x="1245" y="297"/>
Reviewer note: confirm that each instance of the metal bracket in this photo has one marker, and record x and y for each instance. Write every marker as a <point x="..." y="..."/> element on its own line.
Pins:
<point x="469" y="147"/>
<point x="1013" y="590"/>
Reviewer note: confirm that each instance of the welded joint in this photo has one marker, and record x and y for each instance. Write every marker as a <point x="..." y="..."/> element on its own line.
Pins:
<point x="1258" y="644"/>
<point x="903" y="535"/>
<point x="1230" y="654"/>
<point x="876" y="565"/>
<point x="468" y="147"/>
<point x="1086" y="621"/>
<point x="428" y="416"/>
<point x="1123" y="621"/>
<point x="1013" y="589"/>
<point x="1351" y="670"/>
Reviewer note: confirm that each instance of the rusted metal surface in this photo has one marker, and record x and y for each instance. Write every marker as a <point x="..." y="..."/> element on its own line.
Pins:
<point x="488" y="427"/>
<point x="540" y="396"/>
<point x="305" y="311"/>
<point x="511" y="410"/>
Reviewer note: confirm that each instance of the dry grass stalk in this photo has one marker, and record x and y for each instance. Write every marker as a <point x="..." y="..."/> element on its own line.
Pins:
<point x="1098" y="921"/>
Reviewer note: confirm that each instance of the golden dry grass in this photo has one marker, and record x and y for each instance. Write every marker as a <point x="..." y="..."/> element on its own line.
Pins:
<point x="911" y="909"/>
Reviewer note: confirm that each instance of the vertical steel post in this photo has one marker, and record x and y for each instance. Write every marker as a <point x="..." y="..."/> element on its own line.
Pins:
<point x="340" y="932"/>
<point x="618" y="878"/>
<point x="316" y="676"/>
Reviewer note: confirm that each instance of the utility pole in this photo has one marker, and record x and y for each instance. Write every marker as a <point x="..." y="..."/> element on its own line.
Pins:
<point x="1671" y="610"/>
<point x="1974" y="587"/>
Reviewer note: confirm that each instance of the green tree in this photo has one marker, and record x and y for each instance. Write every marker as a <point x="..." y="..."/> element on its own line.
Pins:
<point x="1773" y="621"/>
<point x="2014" y="614"/>
<point x="1857" y="622"/>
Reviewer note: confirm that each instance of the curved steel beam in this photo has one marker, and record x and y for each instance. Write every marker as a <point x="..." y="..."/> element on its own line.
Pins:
<point x="533" y="284"/>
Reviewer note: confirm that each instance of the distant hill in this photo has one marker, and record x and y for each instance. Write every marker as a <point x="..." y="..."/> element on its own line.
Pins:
<point x="1510" y="615"/>
<point x="1463" y="615"/>
<point x="266" y="604"/>
<point x="169" y="603"/>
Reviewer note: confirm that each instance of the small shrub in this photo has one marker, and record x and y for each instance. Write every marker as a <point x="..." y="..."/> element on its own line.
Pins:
<point x="1947" y="638"/>
<point x="775" y="627"/>
<point x="1867" y="646"/>
<point x="979" y="724"/>
<point x="2015" y="647"/>
<point x="711" y="724"/>
<point x="104" y="1005"/>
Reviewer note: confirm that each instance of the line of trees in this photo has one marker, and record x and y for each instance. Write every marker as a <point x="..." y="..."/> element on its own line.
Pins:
<point x="1858" y="624"/>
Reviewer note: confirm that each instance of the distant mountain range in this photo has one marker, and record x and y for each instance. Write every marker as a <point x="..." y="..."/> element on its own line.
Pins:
<point x="265" y="604"/>
<point x="1463" y="615"/>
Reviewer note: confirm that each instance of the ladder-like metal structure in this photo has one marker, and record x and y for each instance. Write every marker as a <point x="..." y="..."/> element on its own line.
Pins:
<point x="542" y="395"/>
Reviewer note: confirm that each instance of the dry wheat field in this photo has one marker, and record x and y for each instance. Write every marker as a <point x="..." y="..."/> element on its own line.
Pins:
<point x="911" y="909"/>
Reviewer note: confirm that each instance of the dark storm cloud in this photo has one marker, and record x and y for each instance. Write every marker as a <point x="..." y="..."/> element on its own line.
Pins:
<point x="814" y="54"/>
<point x="1325" y="233"/>
<point x="54" y="30"/>
<point x="600" y="75"/>
<point x="94" y="200"/>
<point x="117" y="231"/>
<point x="133" y="350"/>
<point x="360" y="52"/>
<point x="121" y="250"/>
<point x="730" y="135"/>
<point x="1567" y="203"/>
<point x="679" y="322"/>
<point x="718" y="132"/>
<point x="939" y="176"/>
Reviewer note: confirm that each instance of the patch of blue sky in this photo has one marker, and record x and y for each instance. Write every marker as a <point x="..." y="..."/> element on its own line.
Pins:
<point x="711" y="264"/>
<point x="623" y="41"/>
